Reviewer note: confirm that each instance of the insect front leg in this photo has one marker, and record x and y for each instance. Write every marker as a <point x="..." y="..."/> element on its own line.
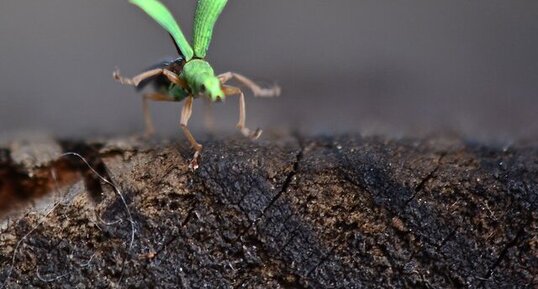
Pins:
<point x="186" y="113"/>
<point x="135" y="81"/>
<point x="229" y="91"/>
<point x="256" y="89"/>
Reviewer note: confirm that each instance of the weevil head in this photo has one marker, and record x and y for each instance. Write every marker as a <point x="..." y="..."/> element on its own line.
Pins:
<point x="211" y="88"/>
<point x="202" y="80"/>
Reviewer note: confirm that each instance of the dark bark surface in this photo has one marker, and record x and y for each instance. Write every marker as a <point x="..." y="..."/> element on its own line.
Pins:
<point x="339" y="212"/>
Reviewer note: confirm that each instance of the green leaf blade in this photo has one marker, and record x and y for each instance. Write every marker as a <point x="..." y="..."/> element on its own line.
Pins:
<point x="162" y="15"/>
<point x="207" y="13"/>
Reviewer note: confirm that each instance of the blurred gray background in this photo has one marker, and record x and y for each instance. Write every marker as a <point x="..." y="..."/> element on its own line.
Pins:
<point x="398" y="68"/>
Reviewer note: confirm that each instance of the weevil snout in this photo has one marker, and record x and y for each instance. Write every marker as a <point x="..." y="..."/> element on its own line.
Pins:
<point x="216" y="96"/>
<point x="213" y="90"/>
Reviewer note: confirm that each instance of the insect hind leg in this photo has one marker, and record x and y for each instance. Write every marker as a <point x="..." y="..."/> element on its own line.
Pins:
<point x="155" y="96"/>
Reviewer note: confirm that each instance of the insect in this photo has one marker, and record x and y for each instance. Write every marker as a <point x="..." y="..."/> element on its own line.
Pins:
<point x="190" y="76"/>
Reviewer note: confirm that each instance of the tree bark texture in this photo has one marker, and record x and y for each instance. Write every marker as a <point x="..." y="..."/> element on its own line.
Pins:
<point x="297" y="212"/>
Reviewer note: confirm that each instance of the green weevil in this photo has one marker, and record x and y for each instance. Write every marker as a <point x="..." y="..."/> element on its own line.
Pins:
<point x="190" y="76"/>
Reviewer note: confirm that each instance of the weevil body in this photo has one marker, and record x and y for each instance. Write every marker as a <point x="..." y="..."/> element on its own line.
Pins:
<point x="190" y="76"/>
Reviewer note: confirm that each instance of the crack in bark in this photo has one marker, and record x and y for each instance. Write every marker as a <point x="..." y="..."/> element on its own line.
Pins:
<point x="430" y="176"/>
<point x="418" y="189"/>
<point x="514" y="242"/>
<point x="284" y="222"/>
<point x="293" y="234"/>
<point x="323" y="260"/>
<point x="287" y="182"/>
<point x="504" y="251"/>
<point x="174" y="238"/>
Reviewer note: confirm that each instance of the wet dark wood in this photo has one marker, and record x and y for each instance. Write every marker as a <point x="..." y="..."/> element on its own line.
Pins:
<point x="334" y="212"/>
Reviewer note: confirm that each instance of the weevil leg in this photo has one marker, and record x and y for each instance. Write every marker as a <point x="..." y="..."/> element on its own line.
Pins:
<point x="175" y="79"/>
<point x="135" y="81"/>
<point x="186" y="113"/>
<point x="229" y="91"/>
<point x="155" y="96"/>
<point x="256" y="89"/>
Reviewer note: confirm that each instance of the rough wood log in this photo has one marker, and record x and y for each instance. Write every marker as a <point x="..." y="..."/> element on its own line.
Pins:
<point x="322" y="212"/>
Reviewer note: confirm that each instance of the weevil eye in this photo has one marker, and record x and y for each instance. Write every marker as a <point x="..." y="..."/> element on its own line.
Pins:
<point x="202" y="88"/>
